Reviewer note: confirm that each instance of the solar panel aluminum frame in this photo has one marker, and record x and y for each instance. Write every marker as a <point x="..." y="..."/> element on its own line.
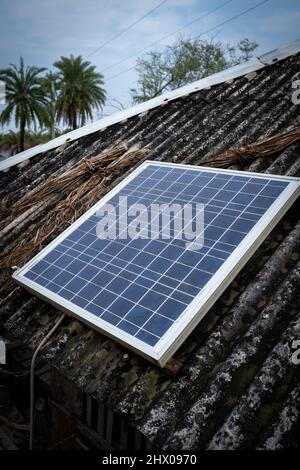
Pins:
<point x="196" y="310"/>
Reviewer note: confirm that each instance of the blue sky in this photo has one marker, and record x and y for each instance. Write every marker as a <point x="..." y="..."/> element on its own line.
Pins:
<point x="43" y="30"/>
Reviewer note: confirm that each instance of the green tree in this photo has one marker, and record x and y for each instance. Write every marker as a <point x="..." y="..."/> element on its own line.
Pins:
<point x="184" y="62"/>
<point x="9" y="142"/>
<point x="26" y="100"/>
<point x="242" y="52"/>
<point x="80" y="90"/>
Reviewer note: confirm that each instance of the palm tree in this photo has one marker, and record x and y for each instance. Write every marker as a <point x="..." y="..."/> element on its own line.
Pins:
<point x="50" y="84"/>
<point x="26" y="100"/>
<point x="80" y="90"/>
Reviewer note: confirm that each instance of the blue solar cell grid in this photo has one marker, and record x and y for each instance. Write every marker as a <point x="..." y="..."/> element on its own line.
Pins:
<point x="143" y="286"/>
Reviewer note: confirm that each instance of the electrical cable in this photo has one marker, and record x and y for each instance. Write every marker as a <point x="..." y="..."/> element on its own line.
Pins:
<point x="205" y="32"/>
<point x="40" y="346"/>
<point x="167" y="36"/>
<point x="126" y="29"/>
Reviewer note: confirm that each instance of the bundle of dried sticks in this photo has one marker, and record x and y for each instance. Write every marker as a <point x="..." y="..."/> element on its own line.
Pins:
<point x="86" y="181"/>
<point x="261" y="148"/>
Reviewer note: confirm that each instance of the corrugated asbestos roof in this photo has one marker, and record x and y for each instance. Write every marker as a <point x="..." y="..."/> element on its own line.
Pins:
<point x="237" y="387"/>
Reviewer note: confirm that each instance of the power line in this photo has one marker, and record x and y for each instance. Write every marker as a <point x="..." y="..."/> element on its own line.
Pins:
<point x="204" y="32"/>
<point x="167" y="36"/>
<point x="126" y="29"/>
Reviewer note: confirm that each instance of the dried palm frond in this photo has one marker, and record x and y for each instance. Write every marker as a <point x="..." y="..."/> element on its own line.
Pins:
<point x="65" y="182"/>
<point x="87" y="180"/>
<point x="261" y="148"/>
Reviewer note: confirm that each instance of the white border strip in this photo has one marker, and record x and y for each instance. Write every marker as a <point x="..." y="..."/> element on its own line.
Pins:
<point x="191" y="316"/>
<point x="233" y="72"/>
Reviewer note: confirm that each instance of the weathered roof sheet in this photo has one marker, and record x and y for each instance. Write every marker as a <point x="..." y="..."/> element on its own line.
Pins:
<point x="237" y="383"/>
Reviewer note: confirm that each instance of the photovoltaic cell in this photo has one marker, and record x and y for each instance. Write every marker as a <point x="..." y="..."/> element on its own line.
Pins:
<point x="143" y="287"/>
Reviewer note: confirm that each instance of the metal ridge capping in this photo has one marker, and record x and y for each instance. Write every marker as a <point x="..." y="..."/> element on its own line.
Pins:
<point x="233" y="72"/>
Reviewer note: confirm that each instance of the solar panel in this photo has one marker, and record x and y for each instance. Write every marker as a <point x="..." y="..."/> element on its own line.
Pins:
<point x="149" y="290"/>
